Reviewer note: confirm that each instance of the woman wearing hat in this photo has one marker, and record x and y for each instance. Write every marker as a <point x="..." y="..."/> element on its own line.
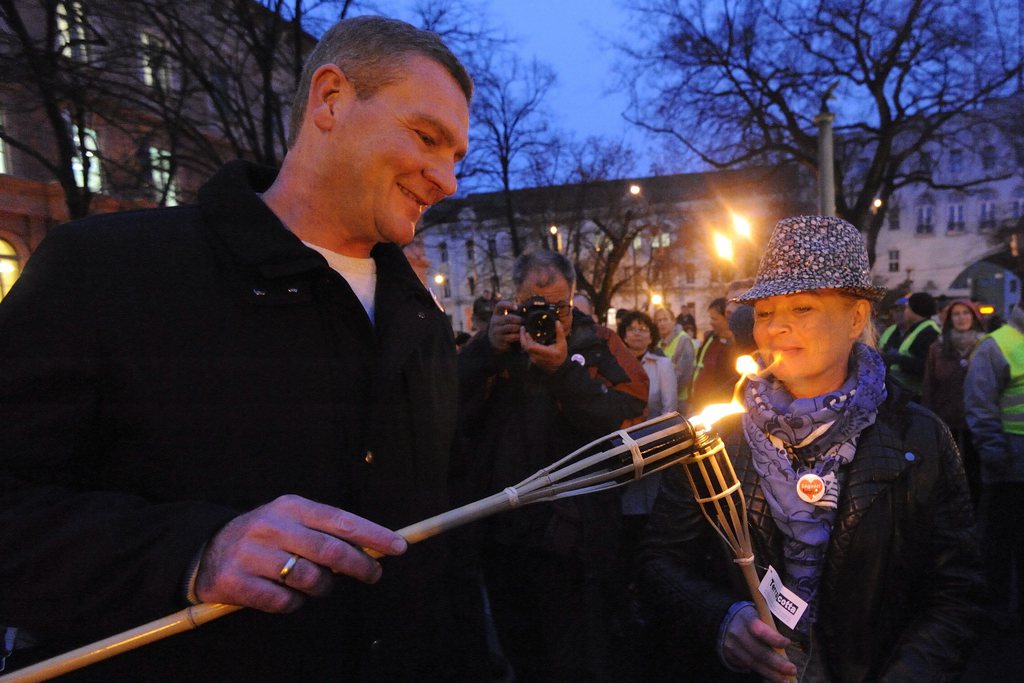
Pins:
<point x="855" y="497"/>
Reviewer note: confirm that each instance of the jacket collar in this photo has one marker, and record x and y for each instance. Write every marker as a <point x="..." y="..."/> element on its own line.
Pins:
<point x="232" y="209"/>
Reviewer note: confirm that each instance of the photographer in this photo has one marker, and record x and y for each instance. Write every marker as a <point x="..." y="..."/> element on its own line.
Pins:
<point x="525" y="404"/>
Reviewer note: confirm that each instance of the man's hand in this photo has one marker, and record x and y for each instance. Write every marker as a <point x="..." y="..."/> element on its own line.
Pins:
<point x="547" y="358"/>
<point x="242" y="563"/>
<point x="503" y="329"/>
<point x="749" y="644"/>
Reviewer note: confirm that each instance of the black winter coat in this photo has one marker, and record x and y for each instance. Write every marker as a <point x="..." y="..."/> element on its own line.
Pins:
<point x="165" y="370"/>
<point x="902" y="583"/>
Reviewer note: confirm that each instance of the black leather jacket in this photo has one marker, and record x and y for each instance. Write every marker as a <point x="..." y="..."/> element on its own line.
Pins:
<point x="902" y="582"/>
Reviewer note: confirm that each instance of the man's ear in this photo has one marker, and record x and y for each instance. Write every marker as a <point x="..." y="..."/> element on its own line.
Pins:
<point x="329" y="88"/>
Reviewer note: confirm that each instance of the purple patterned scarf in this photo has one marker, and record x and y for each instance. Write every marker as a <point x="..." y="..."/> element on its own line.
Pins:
<point x="789" y="437"/>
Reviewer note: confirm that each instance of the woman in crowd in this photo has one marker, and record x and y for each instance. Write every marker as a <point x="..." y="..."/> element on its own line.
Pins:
<point x="641" y="335"/>
<point x="944" y="372"/>
<point x="878" y="540"/>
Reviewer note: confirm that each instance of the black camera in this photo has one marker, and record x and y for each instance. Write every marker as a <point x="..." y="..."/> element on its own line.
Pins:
<point x="539" y="318"/>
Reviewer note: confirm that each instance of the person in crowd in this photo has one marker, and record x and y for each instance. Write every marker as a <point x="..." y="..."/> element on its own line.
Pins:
<point x="714" y="375"/>
<point x="483" y="308"/>
<point x="994" y="408"/>
<point x="906" y="363"/>
<point x="525" y="405"/>
<point x="944" y="373"/>
<point x="676" y="345"/>
<point x="892" y="334"/>
<point x="583" y="304"/>
<point x="234" y="402"/>
<point x="642" y="336"/>
<point x="855" y="498"/>
<point x="688" y="324"/>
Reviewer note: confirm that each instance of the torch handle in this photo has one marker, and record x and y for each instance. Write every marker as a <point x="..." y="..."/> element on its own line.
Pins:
<point x="765" y="614"/>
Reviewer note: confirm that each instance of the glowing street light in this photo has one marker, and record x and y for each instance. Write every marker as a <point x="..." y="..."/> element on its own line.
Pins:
<point x="741" y="226"/>
<point x="439" y="279"/>
<point x="657" y="300"/>
<point x="723" y="246"/>
<point x="634" y="189"/>
<point x="558" y="237"/>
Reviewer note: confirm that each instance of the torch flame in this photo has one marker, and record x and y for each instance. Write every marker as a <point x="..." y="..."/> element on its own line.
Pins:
<point x="746" y="366"/>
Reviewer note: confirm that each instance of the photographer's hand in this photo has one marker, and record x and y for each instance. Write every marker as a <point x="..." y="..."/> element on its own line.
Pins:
<point x="503" y="329"/>
<point x="547" y="358"/>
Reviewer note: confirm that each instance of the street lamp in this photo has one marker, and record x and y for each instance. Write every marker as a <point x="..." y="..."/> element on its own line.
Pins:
<point x="439" y="279"/>
<point x="634" y="189"/>
<point x="741" y="226"/>
<point x="657" y="300"/>
<point x="558" y="237"/>
<point x="723" y="246"/>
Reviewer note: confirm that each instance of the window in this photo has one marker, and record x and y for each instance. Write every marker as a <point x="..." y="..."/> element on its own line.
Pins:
<point x="86" y="162"/>
<point x="956" y="161"/>
<point x="988" y="157"/>
<point x="924" y="220"/>
<point x="470" y="251"/>
<point x="471" y="285"/>
<point x="988" y="216"/>
<point x="71" y="35"/>
<point x="163" y="181"/>
<point x="956" y="218"/>
<point x="894" y="260"/>
<point x="443" y="250"/>
<point x="690" y="273"/>
<point x="156" y="69"/>
<point x="10" y="269"/>
<point x="1018" y="203"/>
<point x="638" y="243"/>
<point x="661" y="240"/>
<point x="894" y="218"/>
<point x="492" y="248"/>
<point x="447" y="288"/>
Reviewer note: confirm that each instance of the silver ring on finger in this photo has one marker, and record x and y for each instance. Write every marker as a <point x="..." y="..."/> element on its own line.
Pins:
<point x="286" y="569"/>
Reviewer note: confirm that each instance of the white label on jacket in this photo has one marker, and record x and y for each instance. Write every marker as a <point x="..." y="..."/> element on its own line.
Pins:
<point x="786" y="605"/>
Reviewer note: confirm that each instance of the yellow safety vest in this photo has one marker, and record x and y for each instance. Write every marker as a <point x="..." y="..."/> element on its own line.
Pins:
<point x="1011" y="403"/>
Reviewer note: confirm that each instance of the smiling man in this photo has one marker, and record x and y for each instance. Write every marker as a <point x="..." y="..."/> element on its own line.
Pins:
<point x="231" y="402"/>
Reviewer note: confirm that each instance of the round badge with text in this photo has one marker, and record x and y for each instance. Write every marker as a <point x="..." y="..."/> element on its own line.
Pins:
<point x="810" y="487"/>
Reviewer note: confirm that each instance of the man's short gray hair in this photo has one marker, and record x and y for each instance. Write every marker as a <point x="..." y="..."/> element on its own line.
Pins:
<point x="371" y="50"/>
<point x="543" y="260"/>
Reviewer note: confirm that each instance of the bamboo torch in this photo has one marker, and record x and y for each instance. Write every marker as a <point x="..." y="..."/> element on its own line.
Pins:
<point x="616" y="459"/>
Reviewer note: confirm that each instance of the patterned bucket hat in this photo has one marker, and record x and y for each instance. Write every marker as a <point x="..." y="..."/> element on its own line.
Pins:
<point x="813" y="252"/>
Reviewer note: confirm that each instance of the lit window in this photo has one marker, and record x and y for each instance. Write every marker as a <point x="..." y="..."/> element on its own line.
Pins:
<point x="86" y="162"/>
<point x="661" y="240"/>
<point x="163" y="181"/>
<point x="10" y="269"/>
<point x="156" y="70"/>
<point x="71" y="31"/>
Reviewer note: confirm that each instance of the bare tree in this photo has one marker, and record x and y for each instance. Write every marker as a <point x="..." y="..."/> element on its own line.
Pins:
<point x="511" y="126"/>
<point x="739" y="82"/>
<point x="48" y="60"/>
